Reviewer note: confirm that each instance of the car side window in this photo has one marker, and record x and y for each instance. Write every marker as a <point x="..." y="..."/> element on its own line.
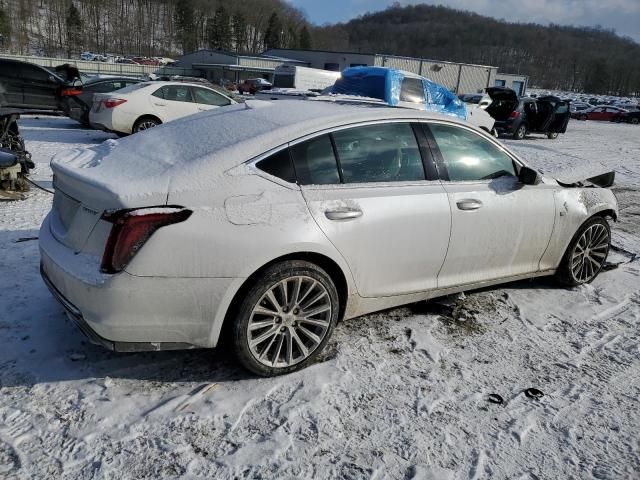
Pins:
<point x="208" y="97"/>
<point x="176" y="93"/>
<point x="314" y="162"/>
<point x="279" y="165"/>
<point x="467" y="156"/>
<point x="34" y="74"/>
<point x="412" y="90"/>
<point x="159" y="93"/>
<point x="379" y="153"/>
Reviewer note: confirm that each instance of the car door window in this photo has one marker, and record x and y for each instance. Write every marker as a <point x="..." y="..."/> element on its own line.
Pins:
<point x="379" y="153"/>
<point x="468" y="156"/>
<point x="314" y="162"/>
<point x="176" y="93"/>
<point x="208" y="97"/>
<point x="34" y="74"/>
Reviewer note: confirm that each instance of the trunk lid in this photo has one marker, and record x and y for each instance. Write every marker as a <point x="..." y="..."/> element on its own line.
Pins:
<point x="503" y="102"/>
<point x="89" y="181"/>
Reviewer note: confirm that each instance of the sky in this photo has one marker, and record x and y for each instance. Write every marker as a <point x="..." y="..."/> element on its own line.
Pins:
<point x="621" y="15"/>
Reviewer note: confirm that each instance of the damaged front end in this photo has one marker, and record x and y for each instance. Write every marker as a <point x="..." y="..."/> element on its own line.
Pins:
<point x="15" y="161"/>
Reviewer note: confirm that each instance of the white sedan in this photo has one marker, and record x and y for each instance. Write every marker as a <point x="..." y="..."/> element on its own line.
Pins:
<point x="268" y="227"/>
<point x="146" y="105"/>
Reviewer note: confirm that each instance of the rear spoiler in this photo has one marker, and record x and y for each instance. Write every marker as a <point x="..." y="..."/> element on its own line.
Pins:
<point x="604" y="180"/>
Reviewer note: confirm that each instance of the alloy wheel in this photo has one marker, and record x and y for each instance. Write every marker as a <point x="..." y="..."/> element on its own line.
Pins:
<point x="147" y="124"/>
<point x="289" y="322"/>
<point x="590" y="253"/>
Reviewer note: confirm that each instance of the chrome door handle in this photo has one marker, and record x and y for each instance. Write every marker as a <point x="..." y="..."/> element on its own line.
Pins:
<point x="342" y="214"/>
<point x="469" y="204"/>
<point x="160" y="104"/>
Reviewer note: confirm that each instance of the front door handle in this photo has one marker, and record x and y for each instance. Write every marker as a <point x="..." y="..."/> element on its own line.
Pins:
<point x="343" y="214"/>
<point x="469" y="204"/>
<point x="160" y="104"/>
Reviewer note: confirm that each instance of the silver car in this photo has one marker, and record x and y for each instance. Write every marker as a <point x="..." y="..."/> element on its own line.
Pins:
<point x="265" y="223"/>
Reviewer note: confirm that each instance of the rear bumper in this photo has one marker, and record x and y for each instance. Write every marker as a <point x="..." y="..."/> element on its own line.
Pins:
<point x="504" y="127"/>
<point x="124" y="312"/>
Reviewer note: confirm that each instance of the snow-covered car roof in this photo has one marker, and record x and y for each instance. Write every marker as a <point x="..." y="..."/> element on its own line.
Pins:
<point x="211" y="142"/>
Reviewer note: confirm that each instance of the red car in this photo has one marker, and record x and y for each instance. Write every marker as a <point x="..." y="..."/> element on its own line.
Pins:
<point x="604" y="112"/>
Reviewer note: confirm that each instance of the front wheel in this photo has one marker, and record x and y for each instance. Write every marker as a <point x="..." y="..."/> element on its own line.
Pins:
<point x="552" y="135"/>
<point x="635" y="121"/>
<point x="285" y="319"/>
<point x="586" y="253"/>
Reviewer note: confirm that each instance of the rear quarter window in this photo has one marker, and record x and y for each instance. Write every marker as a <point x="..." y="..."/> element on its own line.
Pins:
<point x="279" y="165"/>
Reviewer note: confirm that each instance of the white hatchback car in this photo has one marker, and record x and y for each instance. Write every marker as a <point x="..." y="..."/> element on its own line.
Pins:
<point x="145" y="105"/>
<point x="270" y="221"/>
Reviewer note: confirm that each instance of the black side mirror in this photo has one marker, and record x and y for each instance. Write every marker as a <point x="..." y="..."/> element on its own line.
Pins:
<point x="528" y="176"/>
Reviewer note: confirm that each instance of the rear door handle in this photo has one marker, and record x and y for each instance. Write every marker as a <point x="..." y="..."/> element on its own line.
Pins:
<point x="343" y="214"/>
<point x="469" y="204"/>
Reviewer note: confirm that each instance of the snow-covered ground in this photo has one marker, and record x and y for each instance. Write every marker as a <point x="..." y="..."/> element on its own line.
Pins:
<point x="399" y="394"/>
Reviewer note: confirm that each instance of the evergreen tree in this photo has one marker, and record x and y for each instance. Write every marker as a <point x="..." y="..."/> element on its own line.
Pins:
<point x="5" y="29"/>
<point x="74" y="30"/>
<point x="273" y="33"/>
<point x="239" y="31"/>
<point x="305" y="38"/>
<point x="219" y="34"/>
<point x="185" y="25"/>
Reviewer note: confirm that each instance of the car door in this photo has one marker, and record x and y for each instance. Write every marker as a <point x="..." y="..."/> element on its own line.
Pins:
<point x="173" y="101"/>
<point x="40" y="87"/>
<point x="367" y="189"/>
<point x="499" y="227"/>
<point x="597" y="114"/>
<point x="207" y="99"/>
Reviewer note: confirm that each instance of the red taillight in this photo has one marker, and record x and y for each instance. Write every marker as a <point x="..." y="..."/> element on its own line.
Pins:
<point x="113" y="102"/>
<point x="71" y="92"/>
<point x="131" y="229"/>
<point x="514" y="115"/>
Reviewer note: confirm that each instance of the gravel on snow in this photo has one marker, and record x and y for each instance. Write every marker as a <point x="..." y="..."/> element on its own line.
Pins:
<point x="398" y="394"/>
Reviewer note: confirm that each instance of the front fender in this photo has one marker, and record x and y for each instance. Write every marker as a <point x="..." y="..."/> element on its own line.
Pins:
<point x="574" y="206"/>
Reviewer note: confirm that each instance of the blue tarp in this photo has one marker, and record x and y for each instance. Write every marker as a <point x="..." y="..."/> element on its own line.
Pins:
<point x="387" y="84"/>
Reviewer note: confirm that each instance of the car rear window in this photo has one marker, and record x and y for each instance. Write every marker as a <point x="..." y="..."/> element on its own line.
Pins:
<point x="314" y="161"/>
<point x="279" y="165"/>
<point x="412" y="90"/>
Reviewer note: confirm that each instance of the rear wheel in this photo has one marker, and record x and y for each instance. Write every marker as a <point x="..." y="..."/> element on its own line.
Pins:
<point x="286" y="318"/>
<point x="552" y="135"/>
<point x="145" y="123"/>
<point x="586" y="253"/>
<point x="635" y="120"/>
<point x="520" y="132"/>
<point x="583" y="117"/>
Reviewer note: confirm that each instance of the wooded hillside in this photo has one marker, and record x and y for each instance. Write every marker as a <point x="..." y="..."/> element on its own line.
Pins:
<point x="590" y="60"/>
<point x="148" y="27"/>
<point x="558" y="57"/>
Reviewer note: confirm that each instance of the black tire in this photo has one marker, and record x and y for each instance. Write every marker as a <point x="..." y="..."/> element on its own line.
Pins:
<point x="552" y="135"/>
<point x="520" y="132"/>
<point x="565" y="274"/>
<point x="583" y="117"/>
<point x="145" y="123"/>
<point x="254" y="298"/>
<point x="635" y="121"/>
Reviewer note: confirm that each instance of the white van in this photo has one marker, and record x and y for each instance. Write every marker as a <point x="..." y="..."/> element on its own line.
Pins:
<point x="303" y="78"/>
